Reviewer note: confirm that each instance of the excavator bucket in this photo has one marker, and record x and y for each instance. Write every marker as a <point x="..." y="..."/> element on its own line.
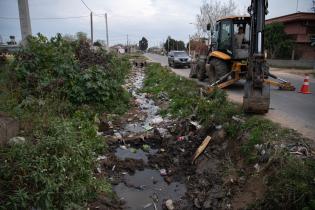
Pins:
<point x="256" y="100"/>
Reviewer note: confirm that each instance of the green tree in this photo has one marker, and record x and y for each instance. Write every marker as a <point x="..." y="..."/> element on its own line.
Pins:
<point x="172" y="44"/>
<point x="143" y="44"/>
<point x="277" y="42"/>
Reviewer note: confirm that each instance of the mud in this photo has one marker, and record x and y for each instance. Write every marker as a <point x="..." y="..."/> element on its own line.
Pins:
<point x="151" y="161"/>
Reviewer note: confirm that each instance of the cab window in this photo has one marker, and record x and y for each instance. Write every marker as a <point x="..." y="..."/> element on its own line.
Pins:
<point x="225" y="40"/>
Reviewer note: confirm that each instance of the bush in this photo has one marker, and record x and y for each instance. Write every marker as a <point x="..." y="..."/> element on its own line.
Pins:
<point x="54" y="172"/>
<point x="185" y="97"/>
<point x="70" y="70"/>
<point x="46" y="85"/>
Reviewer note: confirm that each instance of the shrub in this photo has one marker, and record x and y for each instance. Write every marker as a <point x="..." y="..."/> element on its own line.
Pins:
<point x="70" y="71"/>
<point x="55" y="171"/>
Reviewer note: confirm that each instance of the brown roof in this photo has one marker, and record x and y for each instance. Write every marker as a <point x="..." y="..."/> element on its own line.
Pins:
<point x="292" y="17"/>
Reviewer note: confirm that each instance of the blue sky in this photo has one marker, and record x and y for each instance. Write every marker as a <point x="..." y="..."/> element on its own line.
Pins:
<point x="154" y="19"/>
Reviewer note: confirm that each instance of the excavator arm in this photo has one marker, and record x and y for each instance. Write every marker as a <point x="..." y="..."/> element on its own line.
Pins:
<point x="257" y="91"/>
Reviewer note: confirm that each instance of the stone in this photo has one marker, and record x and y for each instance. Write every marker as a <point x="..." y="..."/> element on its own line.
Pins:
<point x="9" y="128"/>
<point x="169" y="204"/>
<point x="16" y="140"/>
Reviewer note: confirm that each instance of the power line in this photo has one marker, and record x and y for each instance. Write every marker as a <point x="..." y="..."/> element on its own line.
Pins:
<point x="45" y="18"/>
<point x="86" y="6"/>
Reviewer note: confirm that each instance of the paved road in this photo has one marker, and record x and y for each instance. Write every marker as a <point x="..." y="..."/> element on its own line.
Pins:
<point x="290" y="109"/>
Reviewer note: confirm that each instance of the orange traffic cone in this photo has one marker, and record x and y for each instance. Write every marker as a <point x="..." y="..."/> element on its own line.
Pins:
<point x="305" y="89"/>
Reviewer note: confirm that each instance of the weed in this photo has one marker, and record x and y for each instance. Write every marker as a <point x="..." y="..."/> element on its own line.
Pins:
<point x="55" y="171"/>
<point x="185" y="97"/>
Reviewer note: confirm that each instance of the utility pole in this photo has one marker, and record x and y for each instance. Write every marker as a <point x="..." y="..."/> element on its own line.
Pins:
<point x="127" y="44"/>
<point x="91" y="17"/>
<point x="25" y="21"/>
<point x="168" y="44"/>
<point x="189" y="44"/>
<point x="297" y="5"/>
<point x="107" y="41"/>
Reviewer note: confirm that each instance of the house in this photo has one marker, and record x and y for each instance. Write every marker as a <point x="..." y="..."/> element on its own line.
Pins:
<point x="119" y="48"/>
<point x="301" y="28"/>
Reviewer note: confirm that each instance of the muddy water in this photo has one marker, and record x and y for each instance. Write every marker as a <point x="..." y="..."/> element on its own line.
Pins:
<point x="138" y="154"/>
<point x="144" y="189"/>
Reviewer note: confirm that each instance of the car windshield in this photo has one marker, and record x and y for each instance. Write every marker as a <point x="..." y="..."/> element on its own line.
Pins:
<point x="180" y="54"/>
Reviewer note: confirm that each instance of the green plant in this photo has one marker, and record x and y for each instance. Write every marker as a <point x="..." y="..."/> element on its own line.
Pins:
<point x="277" y="42"/>
<point x="185" y="97"/>
<point x="291" y="187"/>
<point x="54" y="172"/>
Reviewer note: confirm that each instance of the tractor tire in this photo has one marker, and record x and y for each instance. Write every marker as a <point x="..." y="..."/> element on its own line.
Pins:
<point x="217" y="69"/>
<point x="201" y="70"/>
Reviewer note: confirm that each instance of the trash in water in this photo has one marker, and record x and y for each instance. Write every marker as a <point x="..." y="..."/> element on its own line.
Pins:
<point x="118" y="136"/>
<point x="133" y="150"/>
<point x="146" y="147"/>
<point x="123" y="147"/>
<point x="147" y="127"/>
<point x="169" y="204"/>
<point x="182" y="138"/>
<point x="163" y="172"/>
<point x="157" y="120"/>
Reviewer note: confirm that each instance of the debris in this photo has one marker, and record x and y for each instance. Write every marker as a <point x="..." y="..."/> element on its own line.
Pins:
<point x="16" y="140"/>
<point x="133" y="150"/>
<point x="162" y="132"/>
<point x="196" y="124"/>
<point x="147" y="127"/>
<point x="123" y="147"/>
<point x="238" y="119"/>
<point x="201" y="148"/>
<point x="99" y="170"/>
<point x="162" y="150"/>
<point x="300" y="150"/>
<point x="113" y="169"/>
<point x="157" y="120"/>
<point x="163" y="172"/>
<point x="182" y="150"/>
<point x="103" y="157"/>
<point x="146" y="147"/>
<point x="169" y="204"/>
<point x="182" y="138"/>
<point x="218" y="127"/>
<point x="118" y="136"/>
<point x="257" y="167"/>
<point x="105" y="125"/>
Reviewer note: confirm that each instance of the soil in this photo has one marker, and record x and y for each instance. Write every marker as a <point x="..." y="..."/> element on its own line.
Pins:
<point x="149" y="161"/>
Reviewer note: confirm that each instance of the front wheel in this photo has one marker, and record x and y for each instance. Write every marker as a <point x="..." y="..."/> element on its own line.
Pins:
<point x="217" y="69"/>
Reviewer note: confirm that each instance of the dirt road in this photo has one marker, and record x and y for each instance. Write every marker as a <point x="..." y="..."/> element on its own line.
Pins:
<point x="290" y="109"/>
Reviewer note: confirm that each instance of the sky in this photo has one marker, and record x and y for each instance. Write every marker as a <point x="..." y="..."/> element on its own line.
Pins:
<point x="153" y="19"/>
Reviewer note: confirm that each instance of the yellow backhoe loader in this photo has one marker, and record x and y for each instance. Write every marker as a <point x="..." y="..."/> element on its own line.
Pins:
<point x="237" y="52"/>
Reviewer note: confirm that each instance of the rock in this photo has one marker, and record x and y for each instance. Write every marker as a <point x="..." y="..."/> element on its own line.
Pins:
<point x="16" y="140"/>
<point x="9" y="128"/>
<point x="169" y="204"/>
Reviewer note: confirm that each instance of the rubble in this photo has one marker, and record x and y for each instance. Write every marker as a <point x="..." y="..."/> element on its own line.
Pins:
<point x="16" y="140"/>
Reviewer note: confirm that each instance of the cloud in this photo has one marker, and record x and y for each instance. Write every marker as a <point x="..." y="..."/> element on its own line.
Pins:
<point x="154" y="19"/>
